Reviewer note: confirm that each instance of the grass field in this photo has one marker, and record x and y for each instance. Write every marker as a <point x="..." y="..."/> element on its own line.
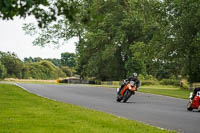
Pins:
<point x="22" y="112"/>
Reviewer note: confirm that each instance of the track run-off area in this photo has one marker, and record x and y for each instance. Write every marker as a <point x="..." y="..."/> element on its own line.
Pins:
<point x="161" y="111"/>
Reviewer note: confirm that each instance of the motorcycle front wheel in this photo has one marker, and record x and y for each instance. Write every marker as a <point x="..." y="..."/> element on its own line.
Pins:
<point x="119" y="98"/>
<point x="127" y="95"/>
<point x="189" y="106"/>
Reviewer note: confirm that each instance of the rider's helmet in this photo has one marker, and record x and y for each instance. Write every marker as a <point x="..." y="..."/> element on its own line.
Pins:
<point x="134" y="75"/>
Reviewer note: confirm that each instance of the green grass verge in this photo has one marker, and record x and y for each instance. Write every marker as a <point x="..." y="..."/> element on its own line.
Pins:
<point x="31" y="82"/>
<point x="22" y="112"/>
<point x="165" y="90"/>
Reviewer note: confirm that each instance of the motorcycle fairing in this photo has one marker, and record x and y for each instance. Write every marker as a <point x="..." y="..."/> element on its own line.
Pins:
<point x="128" y="86"/>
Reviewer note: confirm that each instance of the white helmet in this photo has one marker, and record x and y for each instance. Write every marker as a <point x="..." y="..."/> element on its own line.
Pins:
<point x="134" y="74"/>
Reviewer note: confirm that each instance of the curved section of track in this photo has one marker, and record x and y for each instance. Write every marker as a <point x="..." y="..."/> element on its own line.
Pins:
<point x="160" y="111"/>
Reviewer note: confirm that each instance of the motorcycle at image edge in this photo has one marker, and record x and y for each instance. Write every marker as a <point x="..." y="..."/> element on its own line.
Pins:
<point x="128" y="90"/>
<point x="195" y="103"/>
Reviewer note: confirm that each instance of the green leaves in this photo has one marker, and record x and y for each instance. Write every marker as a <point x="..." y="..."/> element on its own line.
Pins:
<point x="12" y="67"/>
<point x="68" y="59"/>
<point x="11" y="8"/>
<point x="184" y="28"/>
<point x="12" y="63"/>
<point x="3" y="71"/>
<point x="116" y="37"/>
<point x="45" y="70"/>
<point x="44" y="11"/>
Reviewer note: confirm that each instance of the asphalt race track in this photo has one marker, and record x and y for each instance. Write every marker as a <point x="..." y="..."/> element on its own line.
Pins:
<point x="160" y="111"/>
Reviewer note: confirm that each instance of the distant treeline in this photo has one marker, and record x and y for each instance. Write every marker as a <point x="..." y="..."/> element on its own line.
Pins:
<point x="37" y="68"/>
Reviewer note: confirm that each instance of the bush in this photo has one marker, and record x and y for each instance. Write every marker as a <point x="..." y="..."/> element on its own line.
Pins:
<point x="146" y="77"/>
<point x="45" y="70"/>
<point x="141" y="77"/>
<point x="60" y="73"/>
<point x="37" y="72"/>
<point x="149" y="82"/>
<point x="149" y="77"/>
<point x="184" y="84"/>
<point x="68" y="71"/>
<point x="170" y="82"/>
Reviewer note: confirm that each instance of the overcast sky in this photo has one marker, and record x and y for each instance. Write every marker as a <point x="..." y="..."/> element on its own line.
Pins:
<point x="13" y="39"/>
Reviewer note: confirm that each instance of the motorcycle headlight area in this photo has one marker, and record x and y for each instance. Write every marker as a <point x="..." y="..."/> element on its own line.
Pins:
<point x="198" y="93"/>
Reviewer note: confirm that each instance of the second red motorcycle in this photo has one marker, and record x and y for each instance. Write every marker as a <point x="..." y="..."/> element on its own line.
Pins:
<point x="195" y="102"/>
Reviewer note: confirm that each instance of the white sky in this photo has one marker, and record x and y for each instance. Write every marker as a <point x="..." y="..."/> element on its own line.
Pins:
<point x="13" y="39"/>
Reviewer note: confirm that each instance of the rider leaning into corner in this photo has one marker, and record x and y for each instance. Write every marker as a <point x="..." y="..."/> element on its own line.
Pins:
<point x="195" y="92"/>
<point x="134" y="78"/>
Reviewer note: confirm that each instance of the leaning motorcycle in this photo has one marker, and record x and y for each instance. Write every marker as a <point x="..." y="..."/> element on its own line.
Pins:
<point x="128" y="90"/>
<point x="195" y="103"/>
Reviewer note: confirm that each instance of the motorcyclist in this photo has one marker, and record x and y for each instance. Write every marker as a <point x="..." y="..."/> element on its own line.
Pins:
<point x="134" y="78"/>
<point x="195" y="92"/>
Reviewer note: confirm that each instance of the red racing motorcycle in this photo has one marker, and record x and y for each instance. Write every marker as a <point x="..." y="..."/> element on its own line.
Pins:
<point x="195" y="103"/>
<point x="128" y="90"/>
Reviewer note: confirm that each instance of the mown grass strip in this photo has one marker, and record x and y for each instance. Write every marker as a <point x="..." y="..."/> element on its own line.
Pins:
<point x="165" y="90"/>
<point x="32" y="82"/>
<point x="172" y="91"/>
<point x="22" y="112"/>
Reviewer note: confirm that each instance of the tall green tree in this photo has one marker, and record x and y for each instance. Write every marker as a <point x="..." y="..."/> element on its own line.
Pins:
<point x="100" y="50"/>
<point x="12" y="63"/>
<point x="186" y="32"/>
<point x="111" y="33"/>
<point x="68" y="59"/>
<point x="177" y="40"/>
<point x="3" y="71"/>
<point x="106" y="30"/>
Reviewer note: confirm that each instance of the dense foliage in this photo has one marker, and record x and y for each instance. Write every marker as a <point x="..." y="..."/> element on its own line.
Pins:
<point x="2" y="71"/>
<point x="45" y="70"/>
<point x="118" y="37"/>
<point x="12" y="67"/>
<point x="68" y="59"/>
<point x="12" y="64"/>
<point x="45" y="11"/>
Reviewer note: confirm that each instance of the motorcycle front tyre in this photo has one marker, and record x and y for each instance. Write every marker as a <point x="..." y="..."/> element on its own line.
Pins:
<point x="127" y="95"/>
<point x="119" y="98"/>
<point x="189" y="106"/>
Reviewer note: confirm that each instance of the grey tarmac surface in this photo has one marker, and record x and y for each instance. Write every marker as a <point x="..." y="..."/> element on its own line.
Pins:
<point x="161" y="111"/>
